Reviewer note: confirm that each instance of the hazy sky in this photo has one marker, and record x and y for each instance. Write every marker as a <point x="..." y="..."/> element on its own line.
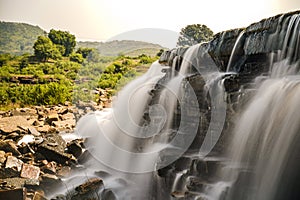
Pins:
<point x="102" y="19"/>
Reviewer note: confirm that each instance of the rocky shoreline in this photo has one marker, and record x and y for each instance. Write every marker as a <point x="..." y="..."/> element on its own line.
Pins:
<point x="38" y="149"/>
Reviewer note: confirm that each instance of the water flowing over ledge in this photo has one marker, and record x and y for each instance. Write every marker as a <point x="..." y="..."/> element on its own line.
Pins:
<point x="215" y="121"/>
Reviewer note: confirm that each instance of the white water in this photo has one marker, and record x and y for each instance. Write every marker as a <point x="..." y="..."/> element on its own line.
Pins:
<point x="233" y="55"/>
<point x="266" y="133"/>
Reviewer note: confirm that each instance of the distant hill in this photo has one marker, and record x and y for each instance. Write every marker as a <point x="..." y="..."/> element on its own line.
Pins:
<point x="125" y="47"/>
<point x="18" y="38"/>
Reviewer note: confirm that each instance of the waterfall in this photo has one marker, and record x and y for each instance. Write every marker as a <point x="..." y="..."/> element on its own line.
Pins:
<point x="161" y="138"/>
<point x="263" y="150"/>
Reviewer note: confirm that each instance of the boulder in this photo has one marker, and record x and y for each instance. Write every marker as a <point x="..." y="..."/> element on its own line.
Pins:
<point x="13" y="124"/>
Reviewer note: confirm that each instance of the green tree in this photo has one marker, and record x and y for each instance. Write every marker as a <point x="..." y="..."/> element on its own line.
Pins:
<point x="44" y="49"/>
<point x="76" y="57"/>
<point x="84" y="51"/>
<point x="194" y="34"/>
<point x="63" y="38"/>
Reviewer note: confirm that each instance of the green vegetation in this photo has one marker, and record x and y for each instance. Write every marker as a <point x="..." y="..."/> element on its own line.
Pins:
<point x="56" y="73"/>
<point x="18" y="38"/>
<point x="194" y="34"/>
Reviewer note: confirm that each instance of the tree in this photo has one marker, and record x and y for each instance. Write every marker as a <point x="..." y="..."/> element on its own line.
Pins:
<point x="76" y="57"/>
<point x="44" y="49"/>
<point x="64" y="38"/>
<point x="84" y="51"/>
<point x="194" y="34"/>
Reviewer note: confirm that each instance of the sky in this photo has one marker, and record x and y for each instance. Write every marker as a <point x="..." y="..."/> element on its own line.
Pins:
<point x="102" y="19"/>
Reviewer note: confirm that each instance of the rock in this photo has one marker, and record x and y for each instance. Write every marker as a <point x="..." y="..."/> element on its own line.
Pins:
<point x="33" y="131"/>
<point x="9" y="146"/>
<point x="195" y="184"/>
<point x="63" y="125"/>
<point x="63" y="171"/>
<point x="13" y="124"/>
<point x="36" y="123"/>
<point x="44" y="129"/>
<point x="49" y="168"/>
<point x="38" y="196"/>
<point x="92" y="184"/>
<point x="75" y="148"/>
<point x="52" y="116"/>
<point x="49" y="183"/>
<point x="15" y="194"/>
<point x="108" y="195"/>
<point x="30" y="171"/>
<point x="17" y="182"/>
<point x="13" y="162"/>
<point x="25" y="149"/>
<point x="67" y="116"/>
<point x="53" y="154"/>
<point x="2" y="158"/>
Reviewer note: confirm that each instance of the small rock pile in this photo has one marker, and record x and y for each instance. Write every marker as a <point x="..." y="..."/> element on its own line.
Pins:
<point x="33" y="154"/>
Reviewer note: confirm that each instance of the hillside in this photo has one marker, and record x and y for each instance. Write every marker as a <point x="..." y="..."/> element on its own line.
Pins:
<point x="125" y="47"/>
<point x="18" y="38"/>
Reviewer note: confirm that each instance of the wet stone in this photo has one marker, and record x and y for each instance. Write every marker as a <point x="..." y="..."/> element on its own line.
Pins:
<point x="195" y="184"/>
<point x="92" y="184"/>
<point x="108" y="195"/>
<point x="75" y="148"/>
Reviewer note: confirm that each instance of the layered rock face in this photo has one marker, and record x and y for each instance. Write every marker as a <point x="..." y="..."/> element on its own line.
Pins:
<point x="244" y="56"/>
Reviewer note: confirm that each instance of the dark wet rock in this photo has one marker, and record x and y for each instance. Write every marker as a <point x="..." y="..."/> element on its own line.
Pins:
<point x="102" y="174"/>
<point x="195" y="184"/>
<point x="92" y="184"/>
<point x="75" y="148"/>
<point x="108" y="195"/>
<point x="14" y="194"/>
<point x="52" y="153"/>
<point x="9" y="146"/>
<point x="30" y="171"/>
<point x="8" y="173"/>
<point x="25" y="148"/>
<point x="88" y="190"/>
<point x="53" y="149"/>
<point x="85" y="156"/>
<point x="49" y="183"/>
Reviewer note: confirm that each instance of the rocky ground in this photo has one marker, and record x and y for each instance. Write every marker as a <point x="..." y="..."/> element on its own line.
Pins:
<point x="34" y="154"/>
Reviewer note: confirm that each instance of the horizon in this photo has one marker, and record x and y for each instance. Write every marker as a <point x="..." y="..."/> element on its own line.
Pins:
<point x="101" y="20"/>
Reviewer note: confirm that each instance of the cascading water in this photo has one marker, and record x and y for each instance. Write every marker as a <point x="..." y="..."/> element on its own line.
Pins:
<point x="263" y="150"/>
<point x="158" y="118"/>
